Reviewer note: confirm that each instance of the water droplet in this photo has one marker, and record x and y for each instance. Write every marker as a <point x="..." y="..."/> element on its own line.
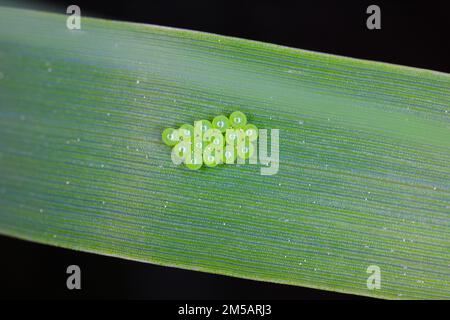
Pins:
<point x="40" y="210"/>
<point x="108" y="114"/>
<point x="67" y="182"/>
<point x="137" y="81"/>
<point x="300" y="122"/>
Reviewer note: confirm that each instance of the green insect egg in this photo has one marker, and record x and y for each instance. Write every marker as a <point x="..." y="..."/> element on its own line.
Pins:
<point x="201" y="126"/>
<point x="182" y="149"/>
<point x="194" y="161"/>
<point x="213" y="136"/>
<point x="232" y="136"/>
<point x="170" y="136"/>
<point x="186" y="132"/>
<point x="229" y="154"/>
<point x="245" y="150"/>
<point x="251" y="132"/>
<point x="199" y="145"/>
<point x="212" y="157"/>
<point x="193" y="166"/>
<point x="238" y="119"/>
<point x="218" y="141"/>
<point x="221" y="123"/>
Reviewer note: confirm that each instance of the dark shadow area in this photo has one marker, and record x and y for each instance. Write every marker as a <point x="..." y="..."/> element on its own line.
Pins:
<point x="414" y="33"/>
<point x="30" y="270"/>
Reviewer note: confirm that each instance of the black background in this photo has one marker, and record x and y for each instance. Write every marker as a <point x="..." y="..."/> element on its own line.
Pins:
<point x="414" y="33"/>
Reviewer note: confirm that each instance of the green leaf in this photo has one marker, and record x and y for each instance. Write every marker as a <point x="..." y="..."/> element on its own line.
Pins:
<point x="364" y="176"/>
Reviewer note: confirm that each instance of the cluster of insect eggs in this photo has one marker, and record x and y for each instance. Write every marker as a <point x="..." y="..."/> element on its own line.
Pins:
<point x="234" y="130"/>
